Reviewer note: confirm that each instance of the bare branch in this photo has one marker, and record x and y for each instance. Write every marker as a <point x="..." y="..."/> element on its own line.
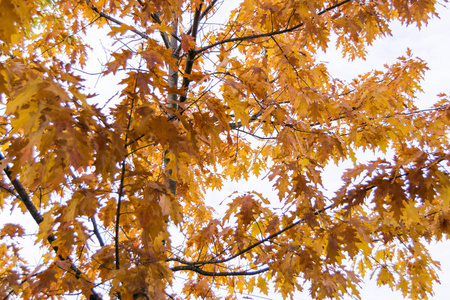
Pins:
<point x="163" y="34"/>
<point x="204" y="13"/>
<point x="191" y="55"/>
<point x="96" y="232"/>
<point x="268" y="34"/>
<point x="11" y="191"/>
<point x="272" y="236"/>
<point x="209" y="273"/>
<point x="23" y="195"/>
<point x="114" y="20"/>
<point x="121" y="189"/>
<point x="38" y="218"/>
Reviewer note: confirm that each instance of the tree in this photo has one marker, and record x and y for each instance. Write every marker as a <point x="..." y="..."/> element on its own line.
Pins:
<point x="117" y="185"/>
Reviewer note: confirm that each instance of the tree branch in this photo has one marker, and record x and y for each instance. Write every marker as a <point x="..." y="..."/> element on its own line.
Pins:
<point x="173" y="81"/>
<point x="204" y="13"/>
<point x="256" y="136"/>
<point x="191" y="55"/>
<point x="290" y="63"/>
<point x="23" y="195"/>
<point x="274" y="235"/>
<point x="38" y="218"/>
<point x="164" y="36"/>
<point x="194" y="266"/>
<point x="11" y="191"/>
<point x="114" y="20"/>
<point x="209" y="273"/>
<point x="268" y="34"/>
<point x="172" y="98"/>
<point x="122" y="180"/>
<point x="254" y="117"/>
<point x="96" y="232"/>
<point x="173" y="74"/>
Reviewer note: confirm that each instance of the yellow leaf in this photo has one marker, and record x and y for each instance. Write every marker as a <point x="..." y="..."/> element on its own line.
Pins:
<point x="165" y="203"/>
<point x="385" y="277"/>
<point x="262" y="285"/>
<point x="23" y="95"/>
<point x="8" y="21"/>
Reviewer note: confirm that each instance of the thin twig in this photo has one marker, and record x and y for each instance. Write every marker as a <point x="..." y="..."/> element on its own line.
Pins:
<point x="114" y="20"/>
<point x="11" y="191"/>
<point x="289" y="62"/>
<point x="122" y="180"/>
<point x="218" y="261"/>
<point x="208" y="273"/>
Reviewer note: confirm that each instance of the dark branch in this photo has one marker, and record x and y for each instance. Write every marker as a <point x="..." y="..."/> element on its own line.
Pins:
<point x="114" y="20"/>
<point x="204" y="13"/>
<point x="289" y="62"/>
<point x="11" y="191"/>
<point x="268" y="34"/>
<point x="270" y="237"/>
<point x="121" y="189"/>
<point x="163" y="34"/>
<point x="23" y="195"/>
<point x="209" y="273"/>
<point x="191" y="55"/>
<point x="256" y="136"/>
<point x="25" y="198"/>
<point x="96" y="232"/>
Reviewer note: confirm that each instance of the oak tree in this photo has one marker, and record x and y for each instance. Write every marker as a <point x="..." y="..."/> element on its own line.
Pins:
<point x="117" y="185"/>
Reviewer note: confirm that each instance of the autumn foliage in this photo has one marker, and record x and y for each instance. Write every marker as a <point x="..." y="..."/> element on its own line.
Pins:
<point x="117" y="185"/>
